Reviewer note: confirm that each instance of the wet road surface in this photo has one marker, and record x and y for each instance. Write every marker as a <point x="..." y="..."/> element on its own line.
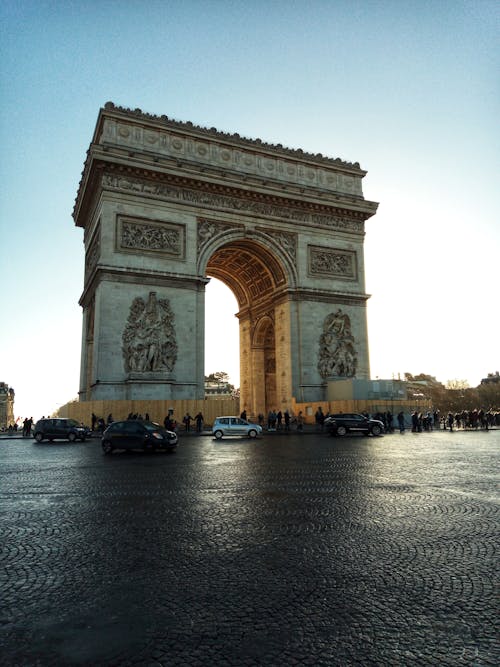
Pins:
<point x="288" y="550"/>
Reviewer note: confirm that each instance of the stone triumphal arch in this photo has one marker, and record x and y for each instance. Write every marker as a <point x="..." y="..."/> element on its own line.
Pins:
<point x="165" y="205"/>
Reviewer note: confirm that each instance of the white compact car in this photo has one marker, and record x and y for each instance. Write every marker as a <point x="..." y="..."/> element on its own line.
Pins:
<point x="235" y="426"/>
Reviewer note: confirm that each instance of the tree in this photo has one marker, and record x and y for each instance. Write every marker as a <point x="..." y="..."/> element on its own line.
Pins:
<point x="220" y="378"/>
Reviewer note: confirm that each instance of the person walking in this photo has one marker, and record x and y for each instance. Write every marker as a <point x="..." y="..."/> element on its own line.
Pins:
<point x="187" y="422"/>
<point x="300" y="422"/>
<point x="199" y="422"/>
<point x="401" y="421"/>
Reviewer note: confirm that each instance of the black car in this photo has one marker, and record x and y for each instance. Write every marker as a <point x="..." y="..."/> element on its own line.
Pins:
<point x="343" y="423"/>
<point x="59" y="429"/>
<point x="138" y="434"/>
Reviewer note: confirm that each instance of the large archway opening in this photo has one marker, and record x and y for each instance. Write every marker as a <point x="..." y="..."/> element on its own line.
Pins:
<point x="222" y="338"/>
<point x="258" y="281"/>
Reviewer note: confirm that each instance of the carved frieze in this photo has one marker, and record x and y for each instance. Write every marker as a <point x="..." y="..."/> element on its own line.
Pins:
<point x="284" y="240"/>
<point x="214" y="200"/>
<point x="337" y="355"/>
<point x="334" y="262"/>
<point x="149" y="236"/>
<point x="209" y="229"/>
<point x="148" y="341"/>
<point x="93" y="251"/>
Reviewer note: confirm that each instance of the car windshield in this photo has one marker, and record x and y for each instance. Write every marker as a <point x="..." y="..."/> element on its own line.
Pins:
<point x="151" y="426"/>
<point x="73" y="422"/>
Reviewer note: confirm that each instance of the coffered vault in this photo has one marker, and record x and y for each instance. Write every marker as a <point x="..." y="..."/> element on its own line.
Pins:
<point x="166" y="205"/>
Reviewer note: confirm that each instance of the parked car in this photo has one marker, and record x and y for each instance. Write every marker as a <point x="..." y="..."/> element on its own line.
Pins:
<point x="60" y="429"/>
<point x="235" y="426"/>
<point x="138" y="434"/>
<point x="340" y="424"/>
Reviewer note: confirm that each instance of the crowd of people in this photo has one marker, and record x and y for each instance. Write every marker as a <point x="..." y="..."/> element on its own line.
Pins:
<point x="466" y="419"/>
<point x="277" y="420"/>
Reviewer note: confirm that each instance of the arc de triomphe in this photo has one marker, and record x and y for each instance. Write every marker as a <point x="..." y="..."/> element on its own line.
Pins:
<point x="165" y="205"/>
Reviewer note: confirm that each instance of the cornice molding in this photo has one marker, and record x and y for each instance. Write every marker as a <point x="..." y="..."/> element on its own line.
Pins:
<point x="220" y="197"/>
<point x="136" y="277"/>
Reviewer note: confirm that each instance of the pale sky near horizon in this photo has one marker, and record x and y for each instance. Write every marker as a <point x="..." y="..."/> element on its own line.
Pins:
<point x="410" y="90"/>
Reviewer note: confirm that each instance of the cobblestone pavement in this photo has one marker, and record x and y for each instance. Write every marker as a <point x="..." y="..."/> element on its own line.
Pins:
<point x="298" y="550"/>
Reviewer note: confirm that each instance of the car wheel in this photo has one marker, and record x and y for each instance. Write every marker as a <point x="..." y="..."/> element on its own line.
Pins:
<point x="341" y="430"/>
<point x="218" y="435"/>
<point x="252" y="433"/>
<point x="107" y="447"/>
<point x="71" y="437"/>
<point x="376" y="430"/>
<point x="38" y="437"/>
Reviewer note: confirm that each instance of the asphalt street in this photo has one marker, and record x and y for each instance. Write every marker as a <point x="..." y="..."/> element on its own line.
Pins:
<point x="287" y="550"/>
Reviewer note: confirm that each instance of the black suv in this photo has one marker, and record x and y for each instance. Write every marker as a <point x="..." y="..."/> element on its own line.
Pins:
<point x="343" y="423"/>
<point x="59" y="429"/>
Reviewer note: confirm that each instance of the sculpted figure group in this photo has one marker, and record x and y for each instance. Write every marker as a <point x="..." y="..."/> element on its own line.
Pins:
<point x="337" y="353"/>
<point x="149" y="342"/>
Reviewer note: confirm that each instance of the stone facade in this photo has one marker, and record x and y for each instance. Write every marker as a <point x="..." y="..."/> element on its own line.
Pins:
<point x="7" y="396"/>
<point x="165" y="206"/>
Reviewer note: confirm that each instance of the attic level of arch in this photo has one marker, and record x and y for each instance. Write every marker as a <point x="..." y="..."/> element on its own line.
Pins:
<point x="302" y="208"/>
<point x="188" y="126"/>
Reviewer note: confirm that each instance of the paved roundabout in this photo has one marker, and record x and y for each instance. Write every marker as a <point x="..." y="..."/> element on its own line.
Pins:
<point x="286" y="550"/>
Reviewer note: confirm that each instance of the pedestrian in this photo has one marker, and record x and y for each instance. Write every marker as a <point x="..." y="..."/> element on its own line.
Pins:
<point x="450" y="420"/>
<point x="199" y="422"/>
<point x="243" y="415"/>
<point x="414" y="422"/>
<point x="319" y="418"/>
<point x="300" y="421"/>
<point x="401" y="421"/>
<point x="389" y="420"/>
<point x="187" y="422"/>
<point x="287" y="421"/>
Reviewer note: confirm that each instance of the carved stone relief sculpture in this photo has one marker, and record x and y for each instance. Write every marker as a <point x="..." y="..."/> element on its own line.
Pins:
<point x="222" y="201"/>
<point x="332" y="262"/>
<point x="93" y="252"/>
<point x="208" y="229"/>
<point x="148" y="236"/>
<point x="337" y="353"/>
<point x="286" y="241"/>
<point x="149" y="342"/>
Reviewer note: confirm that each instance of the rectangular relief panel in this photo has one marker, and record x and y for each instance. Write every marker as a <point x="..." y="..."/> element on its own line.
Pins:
<point x="140" y="235"/>
<point x="332" y="262"/>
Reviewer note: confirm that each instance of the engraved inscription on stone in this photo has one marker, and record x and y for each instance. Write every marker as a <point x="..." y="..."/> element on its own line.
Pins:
<point x="332" y="262"/>
<point x="337" y="353"/>
<point x="134" y="234"/>
<point x="148" y="340"/>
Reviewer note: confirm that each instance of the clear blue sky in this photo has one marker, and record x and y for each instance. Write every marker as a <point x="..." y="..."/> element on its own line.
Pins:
<point x="408" y="89"/>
